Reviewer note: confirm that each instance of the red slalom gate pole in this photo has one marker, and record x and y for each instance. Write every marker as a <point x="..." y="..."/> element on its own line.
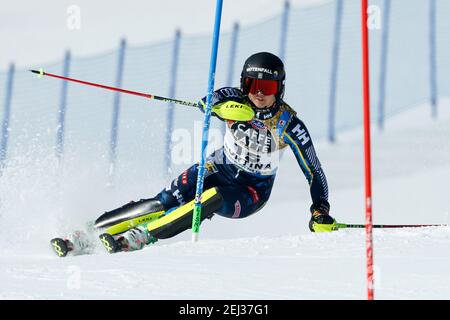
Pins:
<point x="367" y="149"/>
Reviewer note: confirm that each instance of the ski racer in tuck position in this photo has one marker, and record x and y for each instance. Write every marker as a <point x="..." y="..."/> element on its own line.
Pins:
<point x="238" y="177"/>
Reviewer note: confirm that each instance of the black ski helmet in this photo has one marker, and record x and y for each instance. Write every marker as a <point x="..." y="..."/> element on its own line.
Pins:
<point x="265" y="66"/>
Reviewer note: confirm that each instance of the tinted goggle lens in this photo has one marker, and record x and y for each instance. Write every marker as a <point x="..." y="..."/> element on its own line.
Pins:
<point x="266" y="87"/>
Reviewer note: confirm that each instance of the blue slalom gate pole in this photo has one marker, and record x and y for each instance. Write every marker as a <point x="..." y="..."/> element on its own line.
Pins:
<point x="196" y="217"/>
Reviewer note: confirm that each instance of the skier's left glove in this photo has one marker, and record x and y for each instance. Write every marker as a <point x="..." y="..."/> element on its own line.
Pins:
<point x="321" y="221"/>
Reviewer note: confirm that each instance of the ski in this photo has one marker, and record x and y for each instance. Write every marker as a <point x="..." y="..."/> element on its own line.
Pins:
<point x="131" y="240"/>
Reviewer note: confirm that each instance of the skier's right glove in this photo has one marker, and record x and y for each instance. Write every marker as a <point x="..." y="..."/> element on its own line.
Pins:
<point x="229" y="104"/>
<point x="234" y="111"/>
<point x="321" y="221"/>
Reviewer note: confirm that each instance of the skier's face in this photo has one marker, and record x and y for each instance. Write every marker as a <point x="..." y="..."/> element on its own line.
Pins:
<point x="262" y="101"/>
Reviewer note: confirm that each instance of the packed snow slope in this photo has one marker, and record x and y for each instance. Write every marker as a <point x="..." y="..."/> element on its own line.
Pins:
<point x="270" y="255"/>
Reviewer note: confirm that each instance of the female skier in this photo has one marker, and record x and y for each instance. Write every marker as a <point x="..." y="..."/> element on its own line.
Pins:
<point x="238" y="177"/>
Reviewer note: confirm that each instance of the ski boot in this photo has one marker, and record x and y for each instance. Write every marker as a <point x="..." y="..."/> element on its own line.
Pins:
<point x="76" y="243"/>
<point x="131" y="240"/>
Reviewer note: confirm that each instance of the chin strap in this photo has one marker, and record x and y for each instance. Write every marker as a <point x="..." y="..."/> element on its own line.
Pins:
<point x="267" y="113"/>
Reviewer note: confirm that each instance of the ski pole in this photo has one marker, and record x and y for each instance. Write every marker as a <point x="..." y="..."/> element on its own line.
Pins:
<point x="196" y="217"/>
<point x="41" y="73"/>
<point x="387" y="226"/>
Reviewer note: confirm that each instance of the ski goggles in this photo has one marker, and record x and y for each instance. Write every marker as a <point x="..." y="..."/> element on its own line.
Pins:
<point x="266" y="87"/>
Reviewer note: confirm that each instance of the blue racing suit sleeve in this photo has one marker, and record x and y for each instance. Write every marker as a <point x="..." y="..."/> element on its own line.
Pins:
<point x="296" y="135"/>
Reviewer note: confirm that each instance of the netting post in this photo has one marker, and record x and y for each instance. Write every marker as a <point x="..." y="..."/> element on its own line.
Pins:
<point x="433" y="60"/>
<point x="170" y="108"/>
<point x="383" y="63"/>
<point x="62" y="108"/>
<point x="232" y="60"/>
<point x="7" y="114"/>
<point x="284" y="29"/>
<point x="334" y="72"/>
<point x="116" y="108"/>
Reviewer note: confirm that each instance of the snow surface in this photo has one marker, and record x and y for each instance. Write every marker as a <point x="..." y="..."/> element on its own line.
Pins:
<point x="270" y="255"/>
